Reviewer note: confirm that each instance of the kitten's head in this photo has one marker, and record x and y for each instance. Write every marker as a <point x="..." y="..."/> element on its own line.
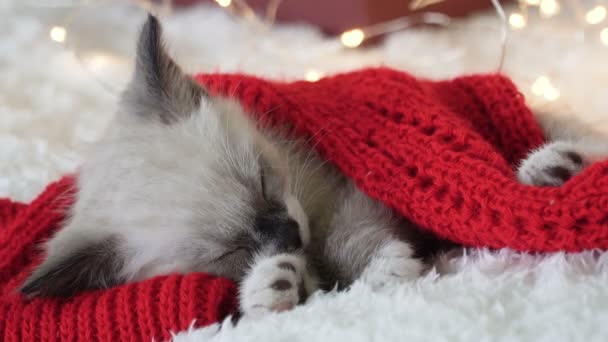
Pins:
<point x="182" y="182"/>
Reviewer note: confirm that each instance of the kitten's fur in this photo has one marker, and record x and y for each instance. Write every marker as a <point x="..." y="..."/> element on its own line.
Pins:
<point x="184" y="182"/>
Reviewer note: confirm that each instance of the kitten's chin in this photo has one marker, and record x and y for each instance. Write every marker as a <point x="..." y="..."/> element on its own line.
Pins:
<point x="295" y="210"/>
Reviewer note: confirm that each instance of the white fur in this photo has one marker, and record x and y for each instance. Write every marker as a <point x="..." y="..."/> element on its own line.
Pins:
<point x="258" y="298"/>
<point x="392" y="265"/>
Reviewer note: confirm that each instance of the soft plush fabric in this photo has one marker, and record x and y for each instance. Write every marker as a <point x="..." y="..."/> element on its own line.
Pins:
<point x="441" y="153"/>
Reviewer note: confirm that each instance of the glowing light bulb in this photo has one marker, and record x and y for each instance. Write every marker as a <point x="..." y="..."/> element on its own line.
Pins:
<point x="596" y="15"/>
<point x="517" y="20"/>
<point x="538" y="87"/>
<point x="604" y="36"/>
<point x="352" y="38"/>
<point x="551" y="93"/>
<point x="313" y="75"/>
<point x="549" y="8"/>
<point x="224" y="3"/>
<point x="58" y="34"/>
<point x="543" y="87"/>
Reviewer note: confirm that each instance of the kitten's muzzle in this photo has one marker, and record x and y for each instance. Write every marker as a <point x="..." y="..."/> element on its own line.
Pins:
<point x="288" y="237"/>
<point x="280" y="230"/>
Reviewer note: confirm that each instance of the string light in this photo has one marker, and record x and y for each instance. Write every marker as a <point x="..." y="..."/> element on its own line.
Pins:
<point x="355" y="37"/>
<point x="596" y="15"/>
<point x="271" y="11"/>
<point x="604" y="36"/>
<point x="543" y="87"/>
<point x="538" y="87"/>
<point x="352" y="38"/>
<point x="551" y="93"/>
<point x="504" y="33"/>
<point x="313" y="75"/>
<point x="58" y="34"/>
<point x="224" y="3"/>
<point x="517" y="20"/>
<point x="418" y="4"/>
<point x="549" y="8"/>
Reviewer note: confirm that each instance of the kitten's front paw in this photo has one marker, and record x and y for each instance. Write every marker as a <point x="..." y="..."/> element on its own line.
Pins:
<point x="551" y="165"/>
<point x="393" y="264"/>
<point x="274" y="284"/>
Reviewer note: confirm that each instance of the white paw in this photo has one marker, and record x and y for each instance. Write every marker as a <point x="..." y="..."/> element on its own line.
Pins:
<point x="393" y="264"/>
<point x="273" y="284"/>
<point x="551" y="165"/>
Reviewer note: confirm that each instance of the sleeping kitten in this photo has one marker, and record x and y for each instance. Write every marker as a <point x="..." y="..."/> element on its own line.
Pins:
<point x="184" y="182"/>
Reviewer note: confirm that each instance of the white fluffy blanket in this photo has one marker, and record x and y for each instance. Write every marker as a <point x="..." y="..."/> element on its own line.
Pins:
<point x="55" y="98"/>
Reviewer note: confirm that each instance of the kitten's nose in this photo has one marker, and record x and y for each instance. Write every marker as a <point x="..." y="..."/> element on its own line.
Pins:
<point x="288" y="236"/>
<point x="279" y="230"/>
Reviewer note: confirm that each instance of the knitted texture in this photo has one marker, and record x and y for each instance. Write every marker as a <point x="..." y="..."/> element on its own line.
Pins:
<point x="440" y="153"/>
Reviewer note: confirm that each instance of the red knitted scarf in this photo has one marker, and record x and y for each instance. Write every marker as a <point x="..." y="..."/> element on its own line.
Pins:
<point x="441" y="153"/>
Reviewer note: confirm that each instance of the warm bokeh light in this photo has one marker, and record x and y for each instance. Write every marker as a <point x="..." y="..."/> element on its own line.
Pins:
<point x="352" y="38"/>
<point x="538" y="87"/>
<point x="596" y="15"/>
<point x="313" y="75"/>
<point x="516" y="20"/>
<point x="604" y="36"/>
<point x="543" y="87"/>
<point x="551" y="93"/>
<point x="58" y="34"/>
<point x="549" y="8"/>
<point x="224" y="3"/>
<point x="533" y="2"/>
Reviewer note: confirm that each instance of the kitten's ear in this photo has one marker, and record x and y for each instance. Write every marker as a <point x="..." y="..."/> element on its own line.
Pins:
<point x="64" y="273"/>
<point x="159" y="89"/>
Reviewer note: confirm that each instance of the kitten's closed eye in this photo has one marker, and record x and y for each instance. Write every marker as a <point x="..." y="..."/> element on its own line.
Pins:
<point x="236" y="252"/>
<point x="232" y="263"/>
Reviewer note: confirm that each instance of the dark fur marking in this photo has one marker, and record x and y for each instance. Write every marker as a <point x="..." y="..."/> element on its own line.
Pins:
<point x="559" y="172"/>
<point x="574" y="157"/>
<point x="302" y="295"/>
<point x="275" y="226"/>
<point x="281" y="285"/>
<point x="93" y="266"/>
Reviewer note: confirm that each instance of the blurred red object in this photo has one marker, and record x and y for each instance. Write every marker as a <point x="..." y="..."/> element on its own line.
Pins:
<point x="336" y="16"/>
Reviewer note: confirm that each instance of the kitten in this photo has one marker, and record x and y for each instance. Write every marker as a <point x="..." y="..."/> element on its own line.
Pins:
<point x="185" y="182"/>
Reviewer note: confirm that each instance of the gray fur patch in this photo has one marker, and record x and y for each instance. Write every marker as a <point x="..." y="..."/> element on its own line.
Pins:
<point x="92" y="266"/>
